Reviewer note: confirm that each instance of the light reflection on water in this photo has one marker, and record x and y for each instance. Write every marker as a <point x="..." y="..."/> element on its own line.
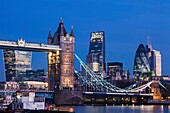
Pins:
<point x="123" y="109"/>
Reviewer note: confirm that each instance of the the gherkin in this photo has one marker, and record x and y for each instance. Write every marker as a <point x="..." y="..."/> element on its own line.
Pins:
<point x="141" y="68"/>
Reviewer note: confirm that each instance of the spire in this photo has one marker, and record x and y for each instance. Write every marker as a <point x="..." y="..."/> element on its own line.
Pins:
<point x="148" y="46"/>
<point x="72" y="31"/>
<point x="61" y="31"/>
<point x="148" y="42"/>
<point x="61" y="20"/>
<point x="49" y="34"/>
<point x="20" y="38"/>
<point x="49" y="37"/>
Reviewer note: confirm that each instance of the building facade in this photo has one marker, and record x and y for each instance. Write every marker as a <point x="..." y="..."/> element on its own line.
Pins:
<point x="16" y="63"/>
<point x="154" y="60"/>
<point x="9" y="61"/>
<point x="61" y="63"/>
<point x="40" y="75"/>
<point x="114" y="67"/>
<point x="96" y="56"/>
<point x="141" y="70"/>
<point x="116" y="72"/>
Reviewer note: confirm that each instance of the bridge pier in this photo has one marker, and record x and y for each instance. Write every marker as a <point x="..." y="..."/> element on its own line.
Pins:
<point x="156" y="90"/>
<point x="99" y="98"/>
<point x="68" y="97"/>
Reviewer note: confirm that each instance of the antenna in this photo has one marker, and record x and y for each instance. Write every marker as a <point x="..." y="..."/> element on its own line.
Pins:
<point x="72" y="27"/>
<point x="61" y="20"/>
<point x="148" y="41"/>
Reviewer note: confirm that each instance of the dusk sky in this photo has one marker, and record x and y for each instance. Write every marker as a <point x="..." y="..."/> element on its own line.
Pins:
<point x="126" y="23"/>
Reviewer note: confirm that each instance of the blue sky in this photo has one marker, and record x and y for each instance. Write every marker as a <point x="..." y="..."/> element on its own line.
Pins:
<point x="126" y="23"/>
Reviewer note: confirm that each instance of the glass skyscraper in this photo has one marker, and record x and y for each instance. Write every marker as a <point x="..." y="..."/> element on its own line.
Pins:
<point x="141" y="64"/>
<point x="9" y="61"/>
<point x="16" y="63"/>
<point x="96" y="56"/>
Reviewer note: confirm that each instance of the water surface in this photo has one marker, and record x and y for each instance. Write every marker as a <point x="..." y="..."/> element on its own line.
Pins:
<point x="123" y="109"/>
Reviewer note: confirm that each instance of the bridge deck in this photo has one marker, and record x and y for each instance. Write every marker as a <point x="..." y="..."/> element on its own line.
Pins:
<point x="119" y="94"/>
<point x="27" y="46"/>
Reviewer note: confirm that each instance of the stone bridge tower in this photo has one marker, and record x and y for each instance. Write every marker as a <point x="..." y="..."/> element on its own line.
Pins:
<point x="61" y="63"/>
<point x="156" y="90"/>
<point x="61" y="68"/>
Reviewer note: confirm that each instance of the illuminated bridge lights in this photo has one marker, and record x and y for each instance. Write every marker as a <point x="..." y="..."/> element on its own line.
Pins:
<point x="105" y="87"/>
<point x="108" y="93"/>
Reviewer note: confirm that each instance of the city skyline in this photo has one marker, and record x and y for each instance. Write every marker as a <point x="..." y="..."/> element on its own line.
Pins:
<point x="126" y="25"/>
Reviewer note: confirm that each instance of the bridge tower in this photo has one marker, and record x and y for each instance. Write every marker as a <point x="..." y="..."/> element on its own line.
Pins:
<point x="61" y="63"/>
<point x="156" y="90"/>
<point x="61" y="67"/>
<point x="67" y="58"/>
<point x="53" y="66"/>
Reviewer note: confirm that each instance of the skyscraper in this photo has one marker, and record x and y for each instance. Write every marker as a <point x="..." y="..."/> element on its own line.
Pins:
<point x="61" y="63"/>
<point x="156" y="62"/>
<point x="141" y="64"/>
<point x="116" y="72"/>
<point x="10" y="67"/>
<point x="96" y="56"/>
<point x="154" y="59"/>
<point x="16" y="63"/>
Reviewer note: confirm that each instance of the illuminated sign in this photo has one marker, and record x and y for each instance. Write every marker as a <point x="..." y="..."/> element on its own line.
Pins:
<point x="96" y="35"/>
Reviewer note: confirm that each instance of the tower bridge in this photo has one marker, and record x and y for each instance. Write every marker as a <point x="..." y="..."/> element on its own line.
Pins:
<point x="61" y="71"/>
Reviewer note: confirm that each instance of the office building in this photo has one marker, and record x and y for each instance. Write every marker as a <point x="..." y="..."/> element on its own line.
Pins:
<point x="116" y="72"/>
<point x="16" y="63"/>
<point x="156" y="62"/>
<point x="96" y="55"/>
<point x="40" y="75"/>
<point x="9" y="61"/>
<point x="114" y="67"/>
<point x="154" y="59"/>
<point x="141" y="68"/>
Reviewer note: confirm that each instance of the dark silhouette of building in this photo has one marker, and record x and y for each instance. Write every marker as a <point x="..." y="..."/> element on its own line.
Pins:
<point x="114" y="67"/>
<point x="116" y="72"/>
<point x="96" y="56"/>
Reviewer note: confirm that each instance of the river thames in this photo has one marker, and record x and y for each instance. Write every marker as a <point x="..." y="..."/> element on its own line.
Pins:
<point x="123" y="109"/>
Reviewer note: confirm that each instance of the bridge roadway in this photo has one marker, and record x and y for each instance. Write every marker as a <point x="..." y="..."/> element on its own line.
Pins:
<point x="14" y="91"/>
<point x="28" y="46"/>
<point x="84" y="92"/>
<point x="118" y="94"/>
